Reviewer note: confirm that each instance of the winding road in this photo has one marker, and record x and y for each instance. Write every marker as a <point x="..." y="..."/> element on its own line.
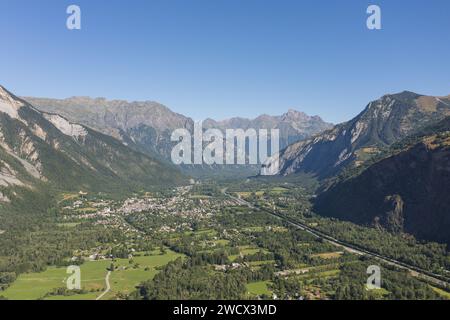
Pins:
<point x="416" y="272"/>
<point x="108" y="287"/>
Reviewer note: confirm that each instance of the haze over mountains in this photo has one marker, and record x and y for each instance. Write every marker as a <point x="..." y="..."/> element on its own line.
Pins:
<point x="293" y="125"/>
<point x="387" y="167"/>
<point x="43" y="148"/>
<point x="147" y="126"/>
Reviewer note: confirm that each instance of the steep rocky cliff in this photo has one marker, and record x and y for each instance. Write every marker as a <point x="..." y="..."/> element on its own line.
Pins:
<point x="383" y="122"/>
<point x="43" y="149"/>
<point x="405" y="191"/>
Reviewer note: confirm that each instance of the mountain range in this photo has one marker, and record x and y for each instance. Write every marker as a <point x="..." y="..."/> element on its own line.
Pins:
<point x="383" y="122"/>
<point x="147" y="126"/>
<point x="293" y="125"/>
<point x="388" y="167"/>
<point x="404" y="189"/>
<point x="45" y="150"/>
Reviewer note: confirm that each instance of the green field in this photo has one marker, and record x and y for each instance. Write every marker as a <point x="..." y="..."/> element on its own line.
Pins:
<point x="35" y="285"/>
<point x="260" y="263"/>
<point x="86" y="296"/>
<point x="278" y="190"/>
<point x="124" y="279"/>
<point x="68" y="224"/>
<point x="247" y="250"/>
<point x="259" y="288"/>
<point x="222" y="242"/>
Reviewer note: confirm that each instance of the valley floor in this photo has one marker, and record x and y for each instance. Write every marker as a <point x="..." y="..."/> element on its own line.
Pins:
<point x="198" y="242"/>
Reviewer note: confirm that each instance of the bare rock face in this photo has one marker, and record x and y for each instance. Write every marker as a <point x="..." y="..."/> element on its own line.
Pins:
<point x="394" y="219"/>
<point x="38" y="148"/>
<point x="406" y="191"/>
<point x="383" y="122"/>
<point x="293" y="125"/>
<point x="147" y="126"/>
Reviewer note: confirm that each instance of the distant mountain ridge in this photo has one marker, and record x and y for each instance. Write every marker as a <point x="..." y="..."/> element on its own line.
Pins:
<point x="383" y="122"/>
<point x="293" y="125"/>
<point x="45" y="148"/>
<point x="147" y="126"/>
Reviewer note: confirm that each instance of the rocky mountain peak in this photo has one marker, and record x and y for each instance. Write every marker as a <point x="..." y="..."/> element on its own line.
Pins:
<point x="300" y="117"/>
<point x="39" y="147"/>
<point x="292" y="113"/>
<point x="383" y="122"/>
<point x="10" y="104"/>
<point x="7" y="97"/>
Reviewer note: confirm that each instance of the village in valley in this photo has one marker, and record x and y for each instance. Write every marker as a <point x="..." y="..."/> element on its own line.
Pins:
<point x="197" y="235"/>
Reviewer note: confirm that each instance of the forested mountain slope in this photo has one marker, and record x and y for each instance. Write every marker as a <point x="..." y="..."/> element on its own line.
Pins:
<point x="405" y="190"/>
<point x="38" y="147"/>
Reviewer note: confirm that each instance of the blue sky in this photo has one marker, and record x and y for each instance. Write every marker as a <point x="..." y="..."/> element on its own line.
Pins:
<point x="224" y="58"/>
